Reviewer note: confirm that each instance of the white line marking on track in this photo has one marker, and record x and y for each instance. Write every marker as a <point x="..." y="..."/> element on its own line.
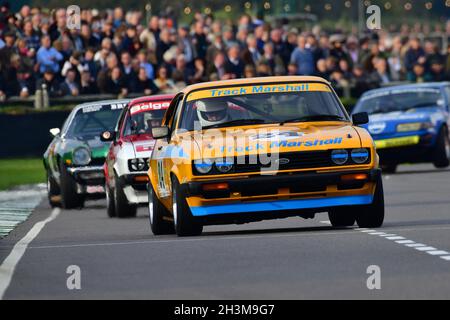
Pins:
<point x="9" y="265"/>
<point x="405" y="242"/>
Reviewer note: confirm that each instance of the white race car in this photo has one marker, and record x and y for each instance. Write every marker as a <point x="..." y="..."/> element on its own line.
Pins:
<point x="126" y="165"/>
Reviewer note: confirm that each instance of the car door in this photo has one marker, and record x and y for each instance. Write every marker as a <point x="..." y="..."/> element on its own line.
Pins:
<point x="161" y="160"/>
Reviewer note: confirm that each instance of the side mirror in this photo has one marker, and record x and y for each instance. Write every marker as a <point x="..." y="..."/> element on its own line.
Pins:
<point x="107" y="136"/>
<point x="160" y="132"/>
<point x="55" y="132"/>
<point x="360" y="118"/>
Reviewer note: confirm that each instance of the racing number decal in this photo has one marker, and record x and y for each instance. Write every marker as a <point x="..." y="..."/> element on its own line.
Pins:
<point x="162" y="183"/>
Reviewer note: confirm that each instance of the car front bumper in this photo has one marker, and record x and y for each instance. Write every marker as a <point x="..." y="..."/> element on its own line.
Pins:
<point x="136" y="187"/>
<point x="88" y="175"/>
<point x="302" y="191"/>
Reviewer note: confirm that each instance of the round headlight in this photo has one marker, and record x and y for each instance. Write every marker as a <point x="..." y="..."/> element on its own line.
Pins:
<point x="339" y="157"/>
<point x="224" y="165"/>
<point x="81" y="156"/>
<point x="360" y="155"/>
<point x="137" y="164"/>
<point x="203" y="166"/>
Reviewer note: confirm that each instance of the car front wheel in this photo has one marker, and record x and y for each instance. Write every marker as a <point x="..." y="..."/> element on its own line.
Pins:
<point x="372" y="216"/>
<point x="185" y="224"/>
<point x="53" y="192"/>
<point x="442" y="150"/>
<point x="110" y="208"/>
<point x="158" y="214"/>
<point x="122" y="207"/>
<point x="70" y="199"/>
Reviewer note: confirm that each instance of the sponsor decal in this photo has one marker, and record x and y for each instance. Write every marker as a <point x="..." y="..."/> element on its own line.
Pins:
<point x="271" y="136"/>
<point x="145" y="147"/>
<point x="284" y="144"/>
<point x="377" y="127"/>
<point x="149" y="106"/>
<point x="257" y="89"/>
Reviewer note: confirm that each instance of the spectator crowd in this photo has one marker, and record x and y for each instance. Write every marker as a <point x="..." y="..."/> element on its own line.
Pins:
<point x="118" y="52"/>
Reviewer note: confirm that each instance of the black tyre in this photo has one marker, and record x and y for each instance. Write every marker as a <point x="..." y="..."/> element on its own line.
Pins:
<point x="123" y="208"/>
<point x="441" y="154"/>
<point x="389" y="168"/>
<point x="158" y="214"/>
<point x="342" y="217"/>
<point x="110" y="208"/>
<point x="53" y="192"/>
<point x="70" y="199"/>
<point x="185" y="224"/>
<point x="372" y="216"/>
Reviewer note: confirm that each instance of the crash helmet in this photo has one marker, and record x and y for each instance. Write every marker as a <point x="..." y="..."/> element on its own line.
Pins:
<point x="151" y="120"/>
<point x="212" y="111"/>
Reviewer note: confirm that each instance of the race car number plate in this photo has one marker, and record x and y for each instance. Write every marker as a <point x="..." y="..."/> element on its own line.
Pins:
<point x="397" y="142"/>
<point x="95" y="189"/>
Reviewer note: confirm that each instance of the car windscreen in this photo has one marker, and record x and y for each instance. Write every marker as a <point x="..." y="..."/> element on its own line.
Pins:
<point x="259" y="104"/>
<point x="399" y="100"/>
<point x="90" y="121"/>
<point x="142" y="117"/>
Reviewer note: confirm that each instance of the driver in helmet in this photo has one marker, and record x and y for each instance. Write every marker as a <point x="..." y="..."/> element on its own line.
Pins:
<point x="211" y="112"/>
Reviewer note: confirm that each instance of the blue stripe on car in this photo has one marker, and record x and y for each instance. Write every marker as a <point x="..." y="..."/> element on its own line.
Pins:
<point x="281" y="205"/>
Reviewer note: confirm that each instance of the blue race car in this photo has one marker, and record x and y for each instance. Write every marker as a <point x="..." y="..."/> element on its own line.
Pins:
<point x="409" y="123"/>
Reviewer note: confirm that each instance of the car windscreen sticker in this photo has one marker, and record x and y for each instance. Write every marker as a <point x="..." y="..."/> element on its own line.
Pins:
<point x="149" y="106"/>
<point x="258" y="89"/>
<point x="98" y="107"/>
<point x="399" y="91"/>
<point x="145" y="147"/>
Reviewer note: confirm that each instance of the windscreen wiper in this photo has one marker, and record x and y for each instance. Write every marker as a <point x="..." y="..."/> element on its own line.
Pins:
<point x="236" y="122"/>
<point x="316" y="117"/>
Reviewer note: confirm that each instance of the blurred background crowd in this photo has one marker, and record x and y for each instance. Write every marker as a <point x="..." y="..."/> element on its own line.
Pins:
<point x="123" y="52"/>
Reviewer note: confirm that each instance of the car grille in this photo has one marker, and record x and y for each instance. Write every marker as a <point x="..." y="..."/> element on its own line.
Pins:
<point x="97" y="161"/>
<point x="297" y="160"/>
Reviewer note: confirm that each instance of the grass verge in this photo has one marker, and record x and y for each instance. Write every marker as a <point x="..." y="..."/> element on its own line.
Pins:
<point x="15" y="172"/>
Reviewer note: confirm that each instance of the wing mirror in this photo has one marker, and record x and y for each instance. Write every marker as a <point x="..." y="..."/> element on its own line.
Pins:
<point x="360" y="118"/>
<point x="55" y="132"/>
<point x="160" y="132"/>
<point x="108" y="136"/>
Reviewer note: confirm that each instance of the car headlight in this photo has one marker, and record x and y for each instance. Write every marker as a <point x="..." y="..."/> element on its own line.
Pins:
<point x="414" y="126"/>
<point x="81" y="156"/>
<point x="224" y="165"/>
<point x="360" y="155"/>
<point x="339" y="157"/>
<point x="203" y="166"/>
<point x="139" y="164"/>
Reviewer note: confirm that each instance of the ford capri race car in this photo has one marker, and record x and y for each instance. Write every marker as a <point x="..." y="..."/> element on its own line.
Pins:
<point x="246" y="150"/>
<point x="126" y="164"/>
<point x="74" y="159"/>
<point x="409" y="123"/>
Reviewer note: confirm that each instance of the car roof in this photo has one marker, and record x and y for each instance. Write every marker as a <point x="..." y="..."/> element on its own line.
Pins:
<point x="101" y="103"/>
<point x="409" y="86"/>
<point x="253" y="81"/>
<point x="158" y="97"/>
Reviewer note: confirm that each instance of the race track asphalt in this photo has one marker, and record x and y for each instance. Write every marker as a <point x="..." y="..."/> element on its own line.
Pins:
<point x="281" y="259"/>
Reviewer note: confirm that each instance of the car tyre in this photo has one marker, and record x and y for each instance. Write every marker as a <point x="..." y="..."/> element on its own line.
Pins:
<point x="372" y="216"/>
<point x="342" y="217"/>
<point x="70" y="198"/>
<point x="110" y="208"/>
<point x="157" y="212"/>
<point x="53" y="192"/>
<point x="122" y="207"/>
<point x="184" y="222"/>
<point x="441" y="154"/>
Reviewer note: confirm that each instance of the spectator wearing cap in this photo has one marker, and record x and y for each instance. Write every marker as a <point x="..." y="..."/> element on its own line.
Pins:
<point x="48" y="57"/>
<point x="8" y="50"/>
<point x="303" y="57"/>
<point x="337" y="49"/>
